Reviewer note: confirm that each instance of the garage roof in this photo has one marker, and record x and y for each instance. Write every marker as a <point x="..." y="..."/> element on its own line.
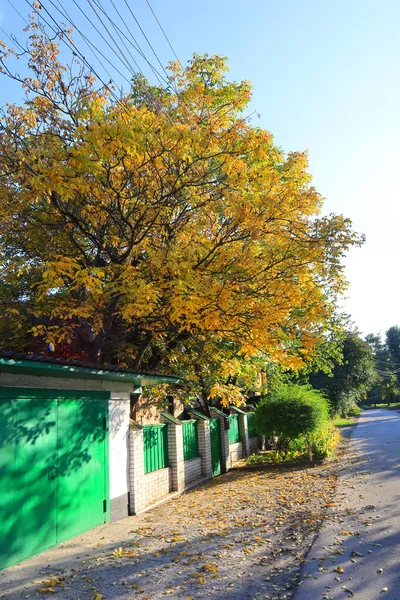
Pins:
<point x="34" y="364"/>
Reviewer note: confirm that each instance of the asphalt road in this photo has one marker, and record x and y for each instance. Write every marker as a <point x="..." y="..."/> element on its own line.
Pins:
<point x="357" y="552"/>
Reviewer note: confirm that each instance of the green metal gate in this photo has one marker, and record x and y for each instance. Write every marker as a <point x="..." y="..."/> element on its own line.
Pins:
<point x="215" y="435"/>
<point x="190" y="439"/>
<point x="53" y="468"/>
<point x="155" y="447"/>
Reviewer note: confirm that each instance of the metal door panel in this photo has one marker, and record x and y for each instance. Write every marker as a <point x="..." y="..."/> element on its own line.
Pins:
<point x="28" y="443"/>
<point x="82" y="459"/>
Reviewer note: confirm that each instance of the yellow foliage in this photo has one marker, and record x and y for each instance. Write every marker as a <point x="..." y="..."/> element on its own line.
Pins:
<point x="152" y="222"/>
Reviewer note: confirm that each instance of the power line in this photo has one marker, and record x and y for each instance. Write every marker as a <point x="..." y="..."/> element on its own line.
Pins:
<point x="76" y="51"/>
<point x="161" y="27"/>
<point x="103" y="38"/>
<point x="72" y="46"/>
<point x="89" y="44"/>
<point x="12" y="39"/>
<point x="17" y="11"/>
<point x="113" y="39"/>
<point x="149" y="95"/>
<point x="135" y="44"/>
<point x="146" y="38"/>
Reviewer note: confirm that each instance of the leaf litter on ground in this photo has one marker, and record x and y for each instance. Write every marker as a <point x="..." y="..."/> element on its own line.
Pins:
<point x="246" y="533"/>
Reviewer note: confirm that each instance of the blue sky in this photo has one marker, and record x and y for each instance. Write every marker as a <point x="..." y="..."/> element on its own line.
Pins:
<point x="325" y="78"/>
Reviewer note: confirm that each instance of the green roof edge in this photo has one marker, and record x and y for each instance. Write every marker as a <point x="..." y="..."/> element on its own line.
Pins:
<point x="219" y="412"/>
<point x="198" y="414"/>
<point x="30" y="367"/>
<point x="237" y="410"/>
<point x="171" y="418"/>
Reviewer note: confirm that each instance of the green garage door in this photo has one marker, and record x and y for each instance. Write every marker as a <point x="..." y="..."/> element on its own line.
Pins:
<point x="53" y="468"/>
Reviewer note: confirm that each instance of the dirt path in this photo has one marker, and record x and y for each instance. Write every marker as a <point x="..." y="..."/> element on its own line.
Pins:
<point x="241" y="536"/>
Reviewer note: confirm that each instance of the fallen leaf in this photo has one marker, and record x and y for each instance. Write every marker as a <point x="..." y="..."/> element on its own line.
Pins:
<point x="339" y="569"/>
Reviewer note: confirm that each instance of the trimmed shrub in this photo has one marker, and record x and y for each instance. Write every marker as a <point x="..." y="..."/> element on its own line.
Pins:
<point x="323" y="443"/>
<point x="292" y="412"/>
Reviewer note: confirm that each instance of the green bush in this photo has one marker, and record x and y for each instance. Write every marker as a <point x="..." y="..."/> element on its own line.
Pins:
<point x="322" y="442"/>
<point x="355" y="411"/>
<point x="291" y="411"/>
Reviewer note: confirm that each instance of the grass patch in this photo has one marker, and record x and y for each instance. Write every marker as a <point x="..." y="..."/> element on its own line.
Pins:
<point x="343" y="421"/>
<point x="392" y="406"/>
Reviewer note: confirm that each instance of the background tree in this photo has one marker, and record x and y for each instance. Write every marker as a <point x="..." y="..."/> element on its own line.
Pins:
<point x="136" y="228"/>
<point x="386" y="387"/>
<point x="352" y="376"/>
<point x="392" y="341"/>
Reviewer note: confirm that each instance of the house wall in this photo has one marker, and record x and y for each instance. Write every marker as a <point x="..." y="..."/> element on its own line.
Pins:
<point x="147" y="411"/>
<point x="192" y="469"/>
<point x="119" y="405"/>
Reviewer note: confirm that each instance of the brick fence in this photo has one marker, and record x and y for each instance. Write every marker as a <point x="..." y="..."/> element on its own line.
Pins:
<point x="148" y="488"/>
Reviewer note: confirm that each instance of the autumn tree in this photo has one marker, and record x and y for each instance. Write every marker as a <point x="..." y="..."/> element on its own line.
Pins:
<point x="141" y="228"/>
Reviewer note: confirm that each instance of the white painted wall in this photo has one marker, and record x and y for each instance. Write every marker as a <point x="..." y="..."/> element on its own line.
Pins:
<point x="119" y="444"/>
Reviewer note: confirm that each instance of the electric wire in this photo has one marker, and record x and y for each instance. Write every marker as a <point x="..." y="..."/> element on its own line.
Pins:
<point x="17" y="11"/>
<point x="102" y="36"/>
<point x="146" y="38"/>
<point x="70" y="44"/>
<point x="162" y="29"/>
<point x="12" y="39"/>
<point x="78" y="53"/>
<point x="135" y="44"/>
<point x="92" y="47"/>
<point x="125" y="59"/>
<point x="147" y="92"/>
<point x="87" y="41"/>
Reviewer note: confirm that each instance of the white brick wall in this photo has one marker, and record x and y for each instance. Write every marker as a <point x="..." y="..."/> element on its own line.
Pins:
<point x="244" y="434"/>
<point x="136" y="469"/>
<point x="235" y="452"/>
<point x="226" y="462"/>
<point x="203" y="430"/>
<point x="157" y="485"/>
<point x="192" y="469"/>
<point x="175" y="454"/>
